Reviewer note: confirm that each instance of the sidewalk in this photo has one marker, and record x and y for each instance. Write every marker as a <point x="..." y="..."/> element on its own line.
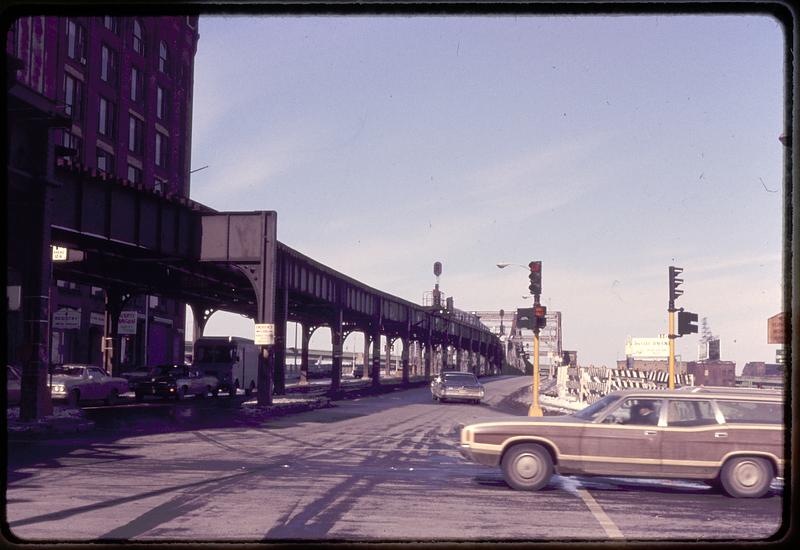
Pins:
<point x="67" y="420"/>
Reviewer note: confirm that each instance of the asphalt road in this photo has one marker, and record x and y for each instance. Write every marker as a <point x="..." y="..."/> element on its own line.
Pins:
<point x="382" y="468"/>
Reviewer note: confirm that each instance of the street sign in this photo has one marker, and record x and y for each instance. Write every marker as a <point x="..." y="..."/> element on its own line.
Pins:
<point x="127" y="322"/>
<point x="265" y="334"/>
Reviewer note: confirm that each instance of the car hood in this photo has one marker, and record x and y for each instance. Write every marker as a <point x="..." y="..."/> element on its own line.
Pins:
<point x="65" y="378"/>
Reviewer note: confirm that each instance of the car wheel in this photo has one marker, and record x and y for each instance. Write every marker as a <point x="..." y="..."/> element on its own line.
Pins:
<point x="112" y="397"/>
<point x="215" y="392"/>
<point x="232" y="391"/>
<point x="527" y="467"/>
<point x="181" y="393"/>
<point x="249" y="391"/>
<point x="746" y="477"/>
<point x="74" y="398"/>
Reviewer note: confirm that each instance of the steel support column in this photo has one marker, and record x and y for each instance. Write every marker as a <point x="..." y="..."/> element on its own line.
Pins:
<point x="115" y="300"/>
<point x="404" y="358"/>
<point x="281" y="318"/>
<point x="376" y="356"/>
<point x="306" y="338"/>
<point x="336" y="352"/>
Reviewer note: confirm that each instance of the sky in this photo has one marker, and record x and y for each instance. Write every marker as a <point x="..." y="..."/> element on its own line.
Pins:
<point x="607" y="147"/>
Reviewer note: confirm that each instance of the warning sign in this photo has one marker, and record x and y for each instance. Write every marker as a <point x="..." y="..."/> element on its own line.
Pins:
<point x="265" y="334"/>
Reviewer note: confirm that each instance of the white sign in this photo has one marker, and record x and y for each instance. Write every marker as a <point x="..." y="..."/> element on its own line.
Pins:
<point x="59" y="253"/>
<point x="647" y="347"/>
<point x="97" y="318"/>
<point x="127" y="322"/>
<point x="265" y="334"/>
<point x="67" y="318"/>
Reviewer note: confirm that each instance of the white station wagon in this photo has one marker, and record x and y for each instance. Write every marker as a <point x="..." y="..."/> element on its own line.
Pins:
<point x="78" y="383"/>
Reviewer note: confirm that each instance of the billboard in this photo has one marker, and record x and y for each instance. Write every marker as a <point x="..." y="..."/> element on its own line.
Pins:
<point x="647" y="348"/>
<point x="709" y="350"/>
<point x="775" y="329"/>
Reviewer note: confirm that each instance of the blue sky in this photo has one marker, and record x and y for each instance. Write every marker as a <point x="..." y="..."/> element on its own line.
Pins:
<point x="607" y="147"/>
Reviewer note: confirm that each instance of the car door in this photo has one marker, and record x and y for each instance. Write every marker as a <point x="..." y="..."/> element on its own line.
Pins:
<point x="101" y="385"/>
<point x="620" y="444"/>
<point x="693" y="442"/>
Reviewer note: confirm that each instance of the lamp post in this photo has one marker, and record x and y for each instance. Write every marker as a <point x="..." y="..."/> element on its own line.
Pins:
<point x="535" y="409"/>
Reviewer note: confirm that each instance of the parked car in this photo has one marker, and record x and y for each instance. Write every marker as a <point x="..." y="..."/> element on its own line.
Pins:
<point x="732" y="439"/>
<point x="135" y="376"/>
<point x="457" y="386"/>
<point x="79" y="383"/>
<point x="13" y="386"/>
<point x="176" y="381"/>
<point x="358" y="371"/>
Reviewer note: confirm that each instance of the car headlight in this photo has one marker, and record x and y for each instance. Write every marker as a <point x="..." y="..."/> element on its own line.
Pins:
<point x="58" y="388"/>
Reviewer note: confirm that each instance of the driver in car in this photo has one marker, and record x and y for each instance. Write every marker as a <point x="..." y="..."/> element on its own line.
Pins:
<point x="644" y="414"/>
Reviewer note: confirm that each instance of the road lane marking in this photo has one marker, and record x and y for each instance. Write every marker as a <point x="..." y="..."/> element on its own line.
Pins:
<point x="602" y="518"/>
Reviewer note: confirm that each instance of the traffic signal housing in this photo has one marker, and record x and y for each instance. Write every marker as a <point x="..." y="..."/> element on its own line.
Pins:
<point x="536" y="278"/>
<point x="686" y="322"/>
<point x="540" y="315"/>
<point x="674" y="283"/>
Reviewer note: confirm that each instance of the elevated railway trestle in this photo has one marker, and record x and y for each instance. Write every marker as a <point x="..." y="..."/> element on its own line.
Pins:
<point x="135" y="241"/>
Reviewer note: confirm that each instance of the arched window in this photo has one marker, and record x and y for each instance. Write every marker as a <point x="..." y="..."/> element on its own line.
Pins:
<point x="163" y="60"/>
<point x="138" y="37"/>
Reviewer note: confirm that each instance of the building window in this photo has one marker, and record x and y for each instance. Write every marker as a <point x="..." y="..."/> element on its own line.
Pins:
<point x="134" y="174"/>
<point x="162" y="144"/>
<point x="135" y="135"/>
<point x="73" y="142"/>
<point x="73" y="97"/>
<point x="108" y="65"/>
<point x="163" y="59"/>
<point x="76" y="42"/>
<point x="162" y="103"/>
<point x="111" y="23"/>
<point x="106" y="120"/>
<point x="138" y="38"/>
<point x="137" y="86"/>
<point x="105" y="161"/>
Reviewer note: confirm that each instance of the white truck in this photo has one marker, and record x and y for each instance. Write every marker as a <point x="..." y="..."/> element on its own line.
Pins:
<point x="233" y="360"/>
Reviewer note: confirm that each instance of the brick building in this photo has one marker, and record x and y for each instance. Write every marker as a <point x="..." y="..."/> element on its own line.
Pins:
<point x="713" y="373"/>
<point x="126" y="84"/>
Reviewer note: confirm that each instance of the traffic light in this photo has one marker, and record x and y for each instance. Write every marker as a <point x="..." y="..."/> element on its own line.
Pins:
<point x="686" y="322"/>
<point x="540" y="314"/>
<point x="525" y="318"/>
<point x="674" y="283"/>
<point x="536" y="278"/>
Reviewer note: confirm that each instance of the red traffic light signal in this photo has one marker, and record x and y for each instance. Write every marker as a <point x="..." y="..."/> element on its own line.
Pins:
<point x="540" y="314"/>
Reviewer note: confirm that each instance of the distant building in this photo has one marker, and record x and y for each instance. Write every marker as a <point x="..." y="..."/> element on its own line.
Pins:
<point x="713" y="373"/>
<point x="760" y="368"/>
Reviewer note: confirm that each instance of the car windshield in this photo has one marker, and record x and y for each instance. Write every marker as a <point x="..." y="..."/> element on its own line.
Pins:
<point x="69" y="370"/>
<point x="165" y="370"/>
<point x="460" y="378"/>
<point x="593" y="411"/>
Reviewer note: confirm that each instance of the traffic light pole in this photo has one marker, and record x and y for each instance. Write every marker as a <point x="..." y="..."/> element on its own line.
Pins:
<point x="535" y="409"/>
<point x="672" y="337"/>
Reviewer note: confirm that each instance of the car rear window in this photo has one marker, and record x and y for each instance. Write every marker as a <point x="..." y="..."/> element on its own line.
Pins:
<point x="740" y="412"/>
